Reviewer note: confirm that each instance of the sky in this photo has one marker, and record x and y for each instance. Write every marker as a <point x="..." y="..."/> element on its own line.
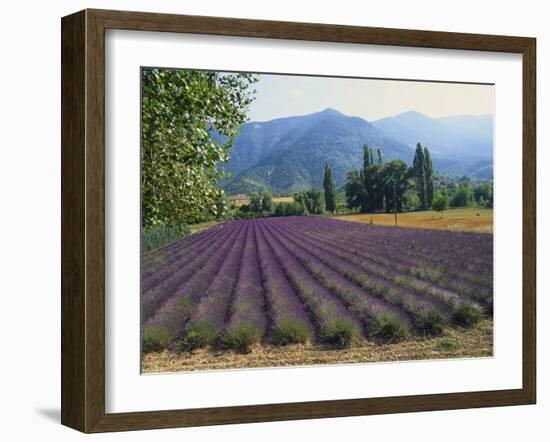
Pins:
<point x="286" y="95"/>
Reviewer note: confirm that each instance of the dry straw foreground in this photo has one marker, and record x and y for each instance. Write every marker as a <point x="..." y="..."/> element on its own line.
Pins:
<point x="455" y="343"/>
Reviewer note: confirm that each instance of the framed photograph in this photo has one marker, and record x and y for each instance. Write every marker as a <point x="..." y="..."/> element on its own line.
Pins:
<point x="268" y="220"/>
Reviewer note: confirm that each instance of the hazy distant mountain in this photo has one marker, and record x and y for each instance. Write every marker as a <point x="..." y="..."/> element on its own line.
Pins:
<point x="457" y="136"/>
<point x="288" y="154"/>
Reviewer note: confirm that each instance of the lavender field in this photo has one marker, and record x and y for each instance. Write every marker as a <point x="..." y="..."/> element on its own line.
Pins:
<point x="312" y="279"/>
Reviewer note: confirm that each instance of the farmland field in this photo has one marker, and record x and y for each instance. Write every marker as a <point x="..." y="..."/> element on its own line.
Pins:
<point x="318" y="284"/>
<point x="199" y="227"/>
<point x="276" y="200"/>
<point x="461" y="219"/>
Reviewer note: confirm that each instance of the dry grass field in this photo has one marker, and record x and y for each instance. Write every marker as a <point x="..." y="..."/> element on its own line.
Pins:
<point x="199" y="227"/>
<point x="467" y="220"/>
<point x="454" y="343"/>
<point x="283" y="199"/>
<point x="276" y="199"/>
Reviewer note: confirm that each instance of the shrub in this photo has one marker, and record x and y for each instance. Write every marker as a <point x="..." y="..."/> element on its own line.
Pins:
<point x="279" y="210"/>
<point x="240" y="337"/>
<point x="155" y="338"/>
<point x="309" y="202"/>
<point x="433" y="274"/>
<point x="466" y="314"/>
<point x="155" y="237"/>
<point x="378" y="289"/>
<point x="440" y="203"/>
<point x="430" y="322"/>
<point x="388" y="327"/>
<point x="340" y="333"/>
<point x="184" y="306"/>
<point x="197" y="336"/>
<point x="290" y="331"/>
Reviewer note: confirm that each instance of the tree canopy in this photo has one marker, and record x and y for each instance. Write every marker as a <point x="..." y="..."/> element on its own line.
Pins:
<point x="311" y="200"/>
<point x="330" y="190"/>
<point x="377" y="184"/>
<point x="395" y="184"/>
<point x="440" y="203"/>
<point x="180" y="110"/>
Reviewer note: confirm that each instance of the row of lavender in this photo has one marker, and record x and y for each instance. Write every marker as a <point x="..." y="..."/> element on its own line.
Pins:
<point x="294" y="279"/>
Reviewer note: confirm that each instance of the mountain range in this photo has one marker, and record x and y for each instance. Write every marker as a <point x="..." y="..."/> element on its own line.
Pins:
<point x="286" y="155"/>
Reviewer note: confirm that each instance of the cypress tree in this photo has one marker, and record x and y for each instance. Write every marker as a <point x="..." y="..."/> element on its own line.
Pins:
<point x="428" y="167"/>
<point x="330" y="190"/>
<point x="366" y="158"/>
<point x="420" y="174"/>
<point x="366" y="175"/>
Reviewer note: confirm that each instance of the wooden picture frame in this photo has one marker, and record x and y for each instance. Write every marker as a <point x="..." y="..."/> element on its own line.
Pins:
<point x="83" y="220"/>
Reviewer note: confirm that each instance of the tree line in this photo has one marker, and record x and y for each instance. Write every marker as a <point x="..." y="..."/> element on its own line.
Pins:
<point x="380" y="185"/>
<point x="394" y="187"/>
<point x="306" y="202"/>
<point x="377" y="186"/>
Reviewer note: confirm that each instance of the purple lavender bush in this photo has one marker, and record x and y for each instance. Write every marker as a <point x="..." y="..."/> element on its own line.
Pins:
<point x="290" y="280"/>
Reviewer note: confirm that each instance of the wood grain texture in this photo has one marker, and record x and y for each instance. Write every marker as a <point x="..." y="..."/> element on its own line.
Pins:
<point x="145" y="21"/>
<point x="83" y="219"/>
<point x="95" y="222"/>
<point x="73" y="130"/>
<point x="529" y="220"/>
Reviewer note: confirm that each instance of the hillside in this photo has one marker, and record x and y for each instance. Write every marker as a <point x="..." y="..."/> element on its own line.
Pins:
<point x="288" y="154"/>
<point x="460" y="145"/>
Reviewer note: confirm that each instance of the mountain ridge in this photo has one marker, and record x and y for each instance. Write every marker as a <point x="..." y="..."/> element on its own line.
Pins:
<point x="454" y="135"/>
<point x="288" y="154"/>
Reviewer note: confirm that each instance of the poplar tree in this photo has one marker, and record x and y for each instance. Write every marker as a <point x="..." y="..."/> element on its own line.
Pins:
<point x="359" y="186"/>
<point x="180" y="160"/>
<point x="365" y="188"/>
<point x="330" y="190"/>
<point x="366" y="158"/>
<point x="419" y="171"/>
<point x="428" y="167"/>
<point x="367" y="196"/>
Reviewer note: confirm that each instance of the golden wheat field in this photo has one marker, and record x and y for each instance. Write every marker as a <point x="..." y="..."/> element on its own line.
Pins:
<point x="459" y="220"/>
